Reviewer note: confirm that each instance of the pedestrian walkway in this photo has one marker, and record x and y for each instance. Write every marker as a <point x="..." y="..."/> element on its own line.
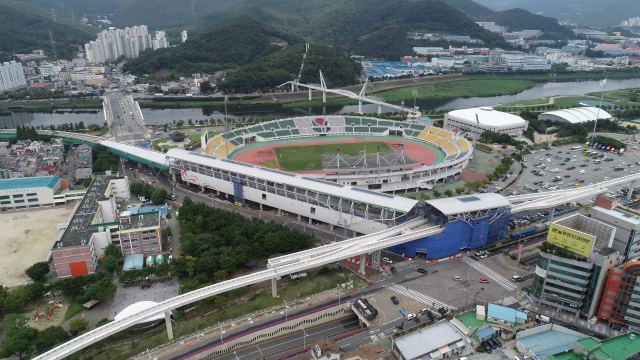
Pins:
<point x="507" y="284"/>
<point x="419" y="297"/>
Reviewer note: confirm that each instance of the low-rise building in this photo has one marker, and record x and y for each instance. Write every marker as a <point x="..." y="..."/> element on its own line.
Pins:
<point x="539" y="342"/>
<point x="28" y="193"/>
<point x="621" y="347"/>
<point x="438" y="341"/>
<point x="48" y="170"/>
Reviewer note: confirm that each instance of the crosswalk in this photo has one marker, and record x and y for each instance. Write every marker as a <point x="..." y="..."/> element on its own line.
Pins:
<point x="400" y="266"/>
<point x="419" y="297"/>
<point x="507" y="301"/>
<point x="490" y="274"/>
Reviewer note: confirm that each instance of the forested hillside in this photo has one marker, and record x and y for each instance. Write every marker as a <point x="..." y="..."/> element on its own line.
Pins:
<point x="25" y="27"/>
<point x="282" y="66"/>
<point x="236" y="41"/>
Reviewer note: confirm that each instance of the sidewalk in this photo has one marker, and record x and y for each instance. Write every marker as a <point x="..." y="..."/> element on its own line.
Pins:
<point x="524" y="300"/>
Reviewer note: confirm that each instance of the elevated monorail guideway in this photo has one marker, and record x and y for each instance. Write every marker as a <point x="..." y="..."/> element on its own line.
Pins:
<point x="338" y="253"/>
<point x="350" y="94"/>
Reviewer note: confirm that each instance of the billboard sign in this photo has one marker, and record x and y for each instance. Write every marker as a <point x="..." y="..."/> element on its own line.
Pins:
<point x="570" y="239"/>
<point x="541" y="272"/>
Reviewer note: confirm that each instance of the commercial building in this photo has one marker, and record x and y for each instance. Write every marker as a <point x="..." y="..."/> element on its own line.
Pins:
<point x="621" y="347"/>
<point x="489" y="213"/>
<point x="96" y="223"/>
<point x="571" y="276"/>
<point x="12" y="76"/>
<point x="484" y="118"/>
<point x="438" y="341"/>
<point x="620" y="303"/>
<point x="548" y="339"/>
<point x="575" y="115"/>
<point x="627" y="237"/>
<point x="28" y="193"/>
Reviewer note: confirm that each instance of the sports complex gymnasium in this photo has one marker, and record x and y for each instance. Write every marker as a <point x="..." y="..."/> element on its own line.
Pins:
<point x="318" y="169"/>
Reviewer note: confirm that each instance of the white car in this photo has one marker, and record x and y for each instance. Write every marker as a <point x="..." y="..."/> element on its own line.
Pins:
<point x="483" y="256"/>
<point x="410" y="316"/>
<point x="387" y="260"/>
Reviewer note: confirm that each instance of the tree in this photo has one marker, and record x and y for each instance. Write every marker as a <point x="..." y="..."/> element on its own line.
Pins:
<point x="50" y="337"/>
<point x="19" y="338"/>
<point x="137" y="188"/>
<point x="78" y="325"/>
<point x="442" y="311"/>
<point x="430" y="315"/>
<point x="110" y="263"/>
<point x="459" y="190"/>
<point x="180" y="123"/>
<point x="38" y="271"/>
<point x="86" y="182"/>
<point x="205" y="87"/>
<point x="113" y="250"/>
<point x="220" y="275"/>
<point x="448" y="192"/>
<point x="158" y="196"/>
<point x="437" y="193"/>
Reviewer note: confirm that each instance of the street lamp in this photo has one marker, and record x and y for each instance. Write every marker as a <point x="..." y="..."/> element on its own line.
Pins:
<point x="338" y="293"/>
<point x="234" y="353"/>
<point x="285" y="310"/>
<point x="304" y="339"/>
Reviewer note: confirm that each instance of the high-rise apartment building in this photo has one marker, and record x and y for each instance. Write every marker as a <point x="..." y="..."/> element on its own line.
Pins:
<point x="160" y="41"/>
<point x="184" y="35"/>
<point x="12" y="76"/>
<point x="128" y="42"/>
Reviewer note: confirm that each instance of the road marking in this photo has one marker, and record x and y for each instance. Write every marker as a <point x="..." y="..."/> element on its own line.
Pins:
<point x="419" y="297"/>
<point x="490" y="274"/>
<point x="507" y="301"/>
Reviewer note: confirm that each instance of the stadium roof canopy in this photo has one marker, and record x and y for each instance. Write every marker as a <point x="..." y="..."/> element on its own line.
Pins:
<point x="575" y="115"/>
<point x="356" y="194"/>
<point x="475" y="202"/>
<point x="487" y="116"/>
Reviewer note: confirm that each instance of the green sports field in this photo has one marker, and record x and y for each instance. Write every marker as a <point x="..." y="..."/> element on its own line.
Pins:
<point x="308" y="157"/>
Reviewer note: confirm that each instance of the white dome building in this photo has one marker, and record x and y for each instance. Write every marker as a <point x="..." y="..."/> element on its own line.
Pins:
<point x="575" y="115"/>
<point x="489" y="119"/>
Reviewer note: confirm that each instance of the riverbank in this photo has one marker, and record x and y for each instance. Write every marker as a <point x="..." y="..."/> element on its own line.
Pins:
<point x="558" y="77"/>
<point x="57" y="105"/>
<point x="563" y="101"/>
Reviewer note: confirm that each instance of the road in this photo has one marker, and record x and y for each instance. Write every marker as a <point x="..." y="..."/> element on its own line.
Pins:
<point x="122" y="116"/>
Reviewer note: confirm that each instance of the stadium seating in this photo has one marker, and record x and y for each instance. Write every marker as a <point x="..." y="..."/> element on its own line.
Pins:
<point x="221" y="152"/>
<point x="212" y="144"/>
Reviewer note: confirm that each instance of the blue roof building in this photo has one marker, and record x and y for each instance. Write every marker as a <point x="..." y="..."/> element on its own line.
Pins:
<point x="504" y="315"/>
<point x="162" y="209"/>
<point x="133" y="262"/>
<point x="28" y="193"/>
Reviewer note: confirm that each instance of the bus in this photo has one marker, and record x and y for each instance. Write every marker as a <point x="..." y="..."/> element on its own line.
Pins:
<point x="576" y="148"/>
<point x="586" y="144"/>
<point x="587" y="152"/>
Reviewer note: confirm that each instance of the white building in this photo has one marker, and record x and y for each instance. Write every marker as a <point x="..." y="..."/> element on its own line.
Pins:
<point x="438" y="341"/>
<point x="84" y="76"/>
<point x="488" y="119"/>
<point x="160" y="41"/>
<point x="115" y="43"/>
<point x="184" y="35"/>
<point x="520" y="62"/>
<point x="12" y="76"/>
<point x="575" y="115"/>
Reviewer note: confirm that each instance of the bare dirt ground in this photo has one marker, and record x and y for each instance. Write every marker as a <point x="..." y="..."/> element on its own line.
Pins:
<point x="26" y="239"/>
<point x="470" y="176"/>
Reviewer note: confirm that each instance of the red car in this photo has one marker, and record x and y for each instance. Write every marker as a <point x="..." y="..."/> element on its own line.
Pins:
<point x="483" y="280"/>
<point x="187" y="197"/>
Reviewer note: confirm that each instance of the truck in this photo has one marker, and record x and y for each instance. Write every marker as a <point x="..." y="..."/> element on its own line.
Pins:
<point x="542" y="318"/>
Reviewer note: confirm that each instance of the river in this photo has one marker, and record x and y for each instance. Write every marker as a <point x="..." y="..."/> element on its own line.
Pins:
<point x="161" y="116"/>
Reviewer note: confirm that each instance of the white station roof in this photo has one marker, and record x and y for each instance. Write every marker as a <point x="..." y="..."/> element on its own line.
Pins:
<point x="475" y="202"/>
<point x="136" y="308"/>
<point x="155" y="156"/>
<point x="576" y="115"/>
<point x="487" y="117"/>
<point x="398" y="203"/>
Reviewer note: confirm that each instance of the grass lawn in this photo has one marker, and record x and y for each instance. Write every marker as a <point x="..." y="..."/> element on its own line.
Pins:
<point x="73" y="309"/>
<point x="269" y="163"/>
<point x="308" y="157"/>
<point x="454" y="89"/>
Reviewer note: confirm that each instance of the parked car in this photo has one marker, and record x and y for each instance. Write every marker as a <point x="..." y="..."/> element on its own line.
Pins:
<point x="395" y="300"/>
<point x="423" y="271"/>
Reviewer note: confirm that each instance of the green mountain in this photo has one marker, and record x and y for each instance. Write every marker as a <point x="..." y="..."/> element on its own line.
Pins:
<point x="282" y="66"/>
<point x="24" y="27"/>
<point x="235" y="41"/>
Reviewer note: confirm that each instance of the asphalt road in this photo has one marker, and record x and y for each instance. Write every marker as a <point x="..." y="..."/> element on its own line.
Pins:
<point x="126" y="127"/>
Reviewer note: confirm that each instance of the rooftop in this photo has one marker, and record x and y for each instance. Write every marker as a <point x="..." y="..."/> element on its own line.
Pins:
<point x="504" y="313"/>
<point x="48" y="181"/>
<point x="475" y="202"/>
<point x="577" y="115"/>
<point x="615" y="348"/>
<point x="487" y="116"/>
<point x="549" y="342"/>
<point x="430" y="339"/>
<point x="133" y="261"/>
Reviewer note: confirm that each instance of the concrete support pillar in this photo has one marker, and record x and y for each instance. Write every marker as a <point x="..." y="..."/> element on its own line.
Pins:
<point x="260" y="207"/>
<point x="359" y="106"/>
<point x="167" y="320"/>
<point x="355" y="233"/>
<point x="363" y="259"/>
<point x="331" y="227"/>
<point x="202" y="187"/>
<point x="226" y="196"/>
<point x="630" y="192"/>
<point x="551" y="213"/>
<point x="379" y="109"/>
<point x="218" y="192"/>
<point x="299" y="218"/>
<point x="274" y="287"/>
<point x="174" y="177"/>
<point x="324" y="97"/>
<point x="292" y="87"/>
<point x="140" y="165"/>
<point x="309" y="94"/>
<point x="310" y="221"/>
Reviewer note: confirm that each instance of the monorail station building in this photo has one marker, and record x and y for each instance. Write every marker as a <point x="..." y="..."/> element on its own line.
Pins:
<point x="484" y="118"/>
<point x="469" y="222"/>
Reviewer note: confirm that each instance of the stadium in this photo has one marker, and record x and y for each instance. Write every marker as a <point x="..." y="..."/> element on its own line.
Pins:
<point x="380" y="155"/>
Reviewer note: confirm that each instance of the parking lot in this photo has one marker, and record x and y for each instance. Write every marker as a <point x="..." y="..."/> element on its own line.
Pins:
<point x="570" y="168"/>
